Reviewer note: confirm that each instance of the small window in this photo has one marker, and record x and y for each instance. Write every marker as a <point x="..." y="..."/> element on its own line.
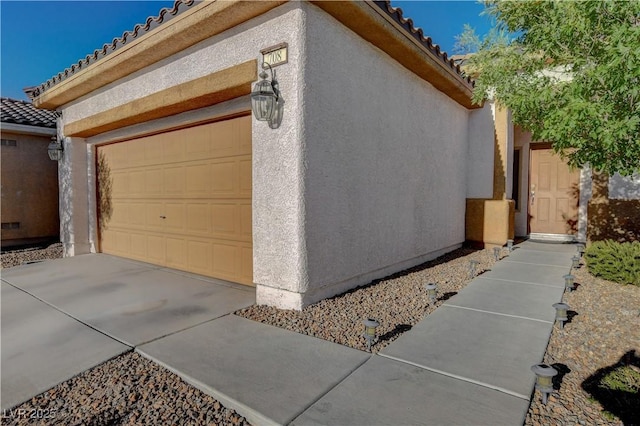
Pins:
<point x="9" y="142"/>
<point x="10" y="225"/>
<point x="515" y="191"/>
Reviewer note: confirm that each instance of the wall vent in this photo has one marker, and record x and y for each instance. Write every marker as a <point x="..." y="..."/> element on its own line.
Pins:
<point x="8" y="142"/>
<point x="10" y="225"/>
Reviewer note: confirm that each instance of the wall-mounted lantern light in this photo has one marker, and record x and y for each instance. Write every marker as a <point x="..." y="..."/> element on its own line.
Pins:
<point x="510" y="245"/>
<point x="568" y="282"/>
<point x="544" y="379"/>
<point x="370" y="326"/>
<point x="55" y="149"/>
<point x="575" y="261"/>
<point x="561" y="313"/>
<point x="473" y="265"/>
<point x="432" y="293"/>
<point x="266" y="102"/>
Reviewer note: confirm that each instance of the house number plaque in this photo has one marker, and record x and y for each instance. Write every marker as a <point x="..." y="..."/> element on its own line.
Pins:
<point x="275" y="55"/>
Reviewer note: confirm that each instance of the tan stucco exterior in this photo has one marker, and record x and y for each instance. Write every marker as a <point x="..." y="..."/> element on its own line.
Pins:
<point x="29" y="189"/>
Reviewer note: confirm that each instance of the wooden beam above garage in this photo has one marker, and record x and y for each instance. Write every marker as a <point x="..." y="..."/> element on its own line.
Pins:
<point x="199" y="93"/>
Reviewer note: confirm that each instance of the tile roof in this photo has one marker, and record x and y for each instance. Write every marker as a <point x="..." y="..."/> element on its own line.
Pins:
<point x="416" y="32"/>
<point x="179" y="6"/>
<point x="151" y="22"/>
<point x="22" y="112"/>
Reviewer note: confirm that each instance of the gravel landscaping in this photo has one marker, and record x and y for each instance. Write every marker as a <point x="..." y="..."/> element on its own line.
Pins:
<point x="11" y="258"/>
<point x="127" y="390"/>
<point x="604" y="333"/>
<point x="397" y="302"/>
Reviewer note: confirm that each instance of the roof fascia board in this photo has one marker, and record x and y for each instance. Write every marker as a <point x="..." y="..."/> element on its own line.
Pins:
<point x="27" y="130"/>
<point x="372" y="24"/>
<point x="199" y="23"/>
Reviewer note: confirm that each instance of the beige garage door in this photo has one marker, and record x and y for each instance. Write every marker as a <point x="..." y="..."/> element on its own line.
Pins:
<point x="181" y="199"/>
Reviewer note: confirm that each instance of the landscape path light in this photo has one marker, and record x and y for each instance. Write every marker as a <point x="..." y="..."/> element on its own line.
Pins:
<point x="496" y="253"/>
<point x="580" y="248"/>
<point x="432" y="291"/>
<point x="568" y="282"/>
<point x="544" y="379"/>
<point x="561" y="313"/>
<point x="510" y="245"/>
<point x="370" y="326"/>
<point x="473" y="265"/>
<point x="575" y="261"/>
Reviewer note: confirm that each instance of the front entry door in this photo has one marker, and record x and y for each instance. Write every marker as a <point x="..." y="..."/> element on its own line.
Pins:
<point x="553" y="194"/>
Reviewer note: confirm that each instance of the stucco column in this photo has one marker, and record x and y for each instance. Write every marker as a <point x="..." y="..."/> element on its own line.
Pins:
<point x="72" y="180"/>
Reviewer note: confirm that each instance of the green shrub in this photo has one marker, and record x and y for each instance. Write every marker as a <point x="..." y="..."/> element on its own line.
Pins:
<point x="613" y="261"/>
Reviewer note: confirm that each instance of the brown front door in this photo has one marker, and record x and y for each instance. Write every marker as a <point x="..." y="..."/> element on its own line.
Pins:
<point x="553" y="194"/>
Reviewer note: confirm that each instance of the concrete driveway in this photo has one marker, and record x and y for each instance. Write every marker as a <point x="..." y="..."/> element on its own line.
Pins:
<point x="61" y="317"/>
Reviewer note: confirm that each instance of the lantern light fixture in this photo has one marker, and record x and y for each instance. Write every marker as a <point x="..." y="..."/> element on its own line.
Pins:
<point x="473" y="265"/>
<point x="266" y="102"/>
<point x="561" y="313"/>
<point x="544" y="379"/>
<point x="370" y="326"/>
<point x="568" y="282"/>
<point x="432" y="292"/>
<point x="580" y="248"/>
<point x="55" y="149"/>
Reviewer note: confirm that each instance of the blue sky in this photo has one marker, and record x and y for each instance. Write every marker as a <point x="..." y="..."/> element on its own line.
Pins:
<point x="41" y="38"/>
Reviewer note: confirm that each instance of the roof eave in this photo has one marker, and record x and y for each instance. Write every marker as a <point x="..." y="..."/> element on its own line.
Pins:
<point x="196" y="24"/>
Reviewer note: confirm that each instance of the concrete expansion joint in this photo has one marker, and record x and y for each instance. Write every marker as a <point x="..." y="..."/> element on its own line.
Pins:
<point x="312" y="403"/>
<point x="69" y="315"/>
<point x="496" y="313"/>
<point x="518" y="282"/>
<point x="534" y="264"/>
<point x="461" y="378"/>
<point x="178" y="331"/>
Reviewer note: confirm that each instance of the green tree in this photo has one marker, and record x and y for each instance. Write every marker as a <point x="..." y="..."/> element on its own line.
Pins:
<point x="569" y="72"/>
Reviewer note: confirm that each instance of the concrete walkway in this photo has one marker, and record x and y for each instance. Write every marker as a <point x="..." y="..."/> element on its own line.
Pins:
<point x="467" y="363"/>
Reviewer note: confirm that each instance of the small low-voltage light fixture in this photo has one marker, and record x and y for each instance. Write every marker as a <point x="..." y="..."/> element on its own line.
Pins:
<point x="575" y="261"/>
<point x="510" y="245"/>
<point x="432" y="291"/>
<point x="568" y="282"/>
<point x="370" y="326"/>
<point x="496" y="253"/>
<point x="544" y="379"/>
<point x="561" y="313"/>
<point x="580" y="248"/>
<point x="473" y="266"/>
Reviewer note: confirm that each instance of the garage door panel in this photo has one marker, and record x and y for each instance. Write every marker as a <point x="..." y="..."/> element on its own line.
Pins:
<point x="176" y="253"/>
<point x="182" y="199"/>
<point x="156" y="249"/>
<point x="175" y="217"/>
<point x="226" y="259"/>
<point x="198" y="218"/>
<point x="197" y="180"/>
<point x="245" y="177"/>
<point x="173" y="181"/>
<point x="245" y="221"/>
<point x="198" y="256"/>
<point x="223" y="177"/>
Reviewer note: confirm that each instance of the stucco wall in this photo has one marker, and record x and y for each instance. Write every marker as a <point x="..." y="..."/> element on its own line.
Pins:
<point x="29" y="188"/>
<point x="385" y="162"/>
<point x="480" y="153"/>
